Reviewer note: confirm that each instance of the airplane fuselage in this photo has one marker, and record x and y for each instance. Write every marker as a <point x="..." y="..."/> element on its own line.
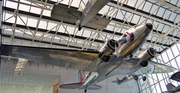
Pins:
<point x="116" y="65"/>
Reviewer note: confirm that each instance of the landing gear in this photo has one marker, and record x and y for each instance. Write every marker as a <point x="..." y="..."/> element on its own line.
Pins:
<point x="136" y="78"/>
<point x="144" y="78"/>
<point x="78" y="24"/>
<point x="85" y="90"/>
<point x="79" y="28"/>
<point x="104" y="57"/>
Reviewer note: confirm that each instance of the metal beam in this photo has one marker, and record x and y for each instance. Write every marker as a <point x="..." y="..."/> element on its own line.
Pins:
<point x="57" y="21"/>
<point x="142" y="13"/>
<point x="169" y="5"/>
<point x="75" y="36"/>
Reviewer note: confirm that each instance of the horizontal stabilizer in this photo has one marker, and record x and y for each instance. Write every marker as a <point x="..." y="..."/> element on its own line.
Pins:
<point x="71" y="85"/>
<point x="161" y="68"/>
<point x="78" y="85"/>
<point x="155" y="68"/>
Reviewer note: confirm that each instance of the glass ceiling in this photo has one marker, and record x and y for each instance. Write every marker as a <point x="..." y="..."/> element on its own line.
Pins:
<point x="28" y="22"/>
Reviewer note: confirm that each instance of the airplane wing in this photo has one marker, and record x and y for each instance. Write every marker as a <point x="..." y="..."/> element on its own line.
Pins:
<point x="69" y="58"/>
<point x="62" y="12"/>
<point x="154" y="68"/>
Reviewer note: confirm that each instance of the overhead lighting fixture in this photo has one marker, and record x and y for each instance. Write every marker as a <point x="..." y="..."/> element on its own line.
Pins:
<point x="20" y="66"/>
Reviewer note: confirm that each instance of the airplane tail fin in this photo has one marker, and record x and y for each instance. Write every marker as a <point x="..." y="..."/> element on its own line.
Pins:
<point x="170" y="86"/>
<point x="81" y="76"/>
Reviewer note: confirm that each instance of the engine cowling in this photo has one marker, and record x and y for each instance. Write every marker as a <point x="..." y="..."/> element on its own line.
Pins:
<point x="107" y="49"/>
<point x="146" y="56"/>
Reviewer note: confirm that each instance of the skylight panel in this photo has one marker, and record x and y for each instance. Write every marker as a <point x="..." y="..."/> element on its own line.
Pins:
<point x="160" y="12"/>
<point x="42" y="24"/>
<point x="131" y="2"/>
<point x="178" y="4"/>
<point x="70" y="29"/>
<point x="8" y="17"/>
<point x="110" y="26"/>
<point x="104" y="10"/>
<point x="177" y="19"/>
<point x="147" y="7"/>
<point x="75" y="3"/>
<point x="128" y="16"/>
<point x="51" y="26"/>
<point x="174" y="2"/>
<point x="21" y="20"/>
<point x="35" y="10"/>
<point x="165" y="28"/>
<point x="172" y="17"/>
<point x="24" y="7"/>
<point x="62" y="1"/>
<point x="24" y="1"/>
<point x="32" y="22"/>
<point x="175" y="50"/>
<point x="154" y="9"/>
<point x="160" y="27"/>
<point x="166" y="14"/>
<point x="149" y="21"/>
<point x="162" y="83"/>
<point x="79" y="33"/>
<point x="120" y="14"/>
<point x="61" y="28"/>
<point x="142" y="20"/>
<point x="47" y="13"/>
<point x="135" y="19"/>
<point x="140" y="4"/>
<point x="11" y="4"/>
<point x="87" y="33"/>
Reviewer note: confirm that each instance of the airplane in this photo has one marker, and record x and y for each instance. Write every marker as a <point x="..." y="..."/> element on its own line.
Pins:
<point x="176" y="76"/>
<point x="172" y="89"/>
<point x="116" y="57"/>
<point x="87" y="17"/>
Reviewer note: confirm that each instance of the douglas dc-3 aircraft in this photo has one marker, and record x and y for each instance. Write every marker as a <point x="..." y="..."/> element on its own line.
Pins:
<point x="115" y="57"/>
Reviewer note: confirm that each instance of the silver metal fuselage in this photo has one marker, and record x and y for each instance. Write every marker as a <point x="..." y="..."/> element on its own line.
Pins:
<point x="120" y="65"/>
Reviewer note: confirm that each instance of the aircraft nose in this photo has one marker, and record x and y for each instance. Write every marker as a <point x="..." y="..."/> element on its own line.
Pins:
<point x="149" y="25"/>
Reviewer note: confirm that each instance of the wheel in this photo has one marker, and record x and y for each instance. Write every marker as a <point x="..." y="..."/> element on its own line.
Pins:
<point x="144" y="78"/>
<point x="136" y="78"/>
<point x="105" y="58"/>
<point x="79" y="28"/>
<point x="85" y="91"/>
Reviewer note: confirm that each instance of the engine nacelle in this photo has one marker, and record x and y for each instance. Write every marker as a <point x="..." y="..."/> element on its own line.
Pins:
<point x="146" y="55"/>
<point x="107" y="49"/>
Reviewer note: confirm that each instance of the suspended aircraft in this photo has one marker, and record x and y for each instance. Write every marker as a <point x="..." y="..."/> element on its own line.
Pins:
<point x="87" y="17"/>
<point x="172" y="89"/>
<point x="116" y="57"/>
